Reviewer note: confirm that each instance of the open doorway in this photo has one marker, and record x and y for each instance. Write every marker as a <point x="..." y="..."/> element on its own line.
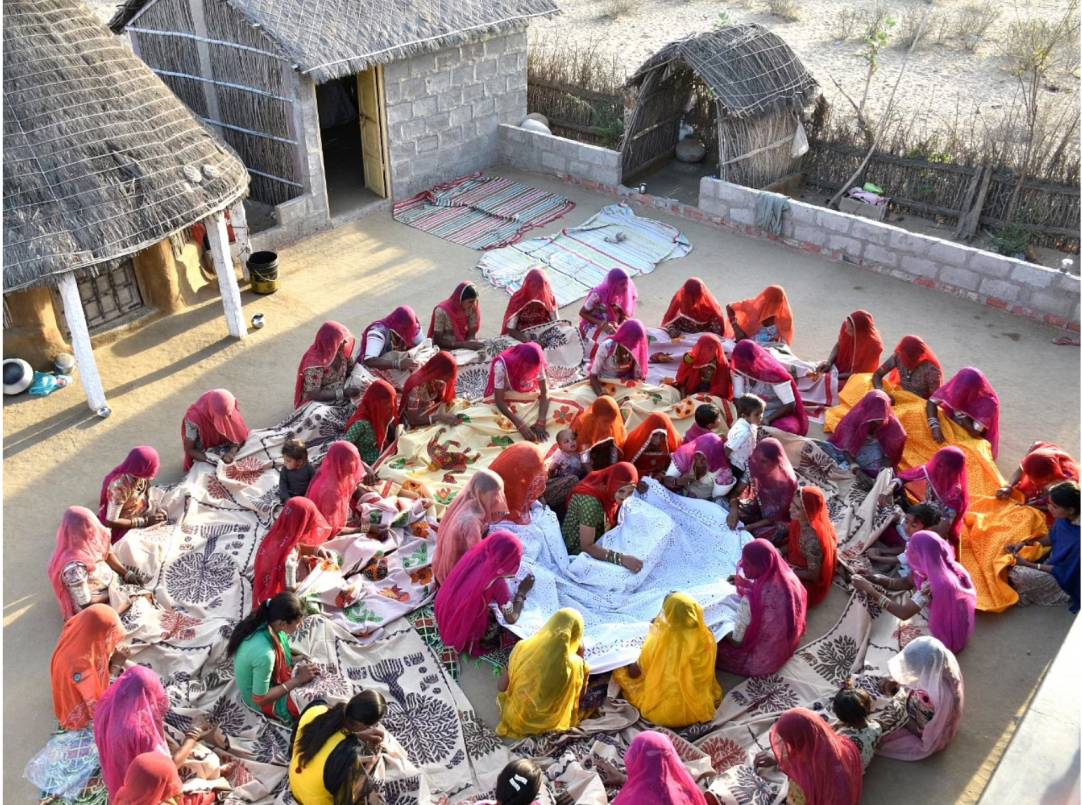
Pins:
<point x="353" y="131"/>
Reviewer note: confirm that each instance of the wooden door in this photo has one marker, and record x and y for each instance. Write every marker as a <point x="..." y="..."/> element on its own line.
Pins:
<point x="373" y="119"/>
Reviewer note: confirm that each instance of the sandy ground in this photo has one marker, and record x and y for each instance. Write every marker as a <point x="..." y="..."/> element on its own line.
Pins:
<point x="943" y="81"/>
<point x="56" y="452"/>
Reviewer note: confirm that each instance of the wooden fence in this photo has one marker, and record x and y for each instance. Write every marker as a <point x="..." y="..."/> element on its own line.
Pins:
<point x="578" y="113"/>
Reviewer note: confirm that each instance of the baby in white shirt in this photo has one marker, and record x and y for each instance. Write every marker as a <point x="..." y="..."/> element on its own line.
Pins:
<point x="740" y="441"/>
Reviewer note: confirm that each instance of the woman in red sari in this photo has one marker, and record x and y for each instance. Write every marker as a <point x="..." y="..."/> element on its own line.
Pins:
<point x="299" y="528"/>
<point x="813" y="543"/>
<point x="325" y="366"/>
<point x="522" y="467"/>
<point x="772" y="615"/>
<point x="650" y="446"/>
<point x="1044" y="466"/>
<point x="694" y="309"/>
<point x="521" y="370"/>
<point x="912" y="366"/>
<point x="213" y="420"/>
<point x="969" y="399"/>
<point x="705" y="370"/>
<point x="774" y="483"/>
<point x="823" y="767"/>
<point x="531" y="305"/>
<point x="756" y="371"/>
<point x="384" y="343"/>
<point x="372" y="426"/>
<point x="858" y="348"/>
<point x="766" y="319"/>
<point x="333" y="486"/>
<point x="151" y="779"/>
<point x="123" y="502"/>
<point x="456" y="320"/>
<point x="592" y="510"/>
<point x="429" y="392"/>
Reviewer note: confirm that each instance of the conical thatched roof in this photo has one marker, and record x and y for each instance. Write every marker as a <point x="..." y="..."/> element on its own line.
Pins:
<point x="749" y="69"/>
<point x="328" y="39"/>
<point x="100" y="158"/>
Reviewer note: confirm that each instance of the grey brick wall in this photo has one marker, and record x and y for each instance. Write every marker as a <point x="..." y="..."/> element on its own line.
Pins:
<point x="557" y="156"/>
<point x="444" y="109"/>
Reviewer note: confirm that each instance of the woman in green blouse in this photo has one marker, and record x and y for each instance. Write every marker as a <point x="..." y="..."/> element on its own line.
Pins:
<point x="592" y="510"/>
<point x="373" y="425"/>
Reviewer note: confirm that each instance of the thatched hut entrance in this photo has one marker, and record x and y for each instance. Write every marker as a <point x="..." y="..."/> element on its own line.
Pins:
<point x="740" y="87"/>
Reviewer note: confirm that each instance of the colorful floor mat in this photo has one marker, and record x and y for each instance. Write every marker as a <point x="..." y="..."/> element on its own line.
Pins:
<point x="481" y="212"/>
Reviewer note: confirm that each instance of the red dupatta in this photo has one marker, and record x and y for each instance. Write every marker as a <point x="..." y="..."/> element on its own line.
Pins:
<point x="603" y="485"/>
<point x="535" y="290"/>
<point x="334" y="483"/>
<point x="639" y="439"/>
<point x="300" y="523"/>
<point x="332" y="339"/>
<point x="860" y="351"/>
<point x="378" y="407"/>
<point x="771" y="303"/>
<point x="1044" y="465"/>
<point x="814" y="504"/>
<point x="217" y="417"/>
<point x="911" y="352"/>
<point x="707" y="351"/>
<point x="456" y="312"/>
<point x="694" y="302"/>
<point x="440" y="367"/>
<point x="522" y="467"/>
<point x="823" y="763"/>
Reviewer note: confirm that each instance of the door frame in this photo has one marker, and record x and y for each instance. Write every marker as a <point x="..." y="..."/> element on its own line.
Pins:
<point x="381" y="121"/>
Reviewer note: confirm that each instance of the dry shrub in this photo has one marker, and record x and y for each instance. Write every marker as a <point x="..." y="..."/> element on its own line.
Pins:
<point x="1045" y="45"/>
<point x="937" y="28"/>
<point x="848" y="24"/>
<point x="584" y="66"/>
<point x="972" y="22"/>
<point x="784" y="9"/>
<point x="615" y="9"/>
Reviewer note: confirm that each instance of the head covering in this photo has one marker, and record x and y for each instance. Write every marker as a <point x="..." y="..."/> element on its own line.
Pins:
<point x="911" y="352"/>
<point x="535" y="290"/>
<point x="678" y="685"/>
<point x="332" y="340"/>
<point x="80" y="538"/>
<point x="639" y="439"/>
<point x="456" y="312"/>
<point x="151" y="779"/>
<point x="477" y="580"/>
<point x="946" y="475"/>
<point x="631" y="335"/>
<point x="440" y="367"/>
<point x="618" y="294"/>
<point x="80" y="665"/>
<point x="750" y="313"/>
<point x="522" y="468"/>
<point x="970" y="393"/>
<point x="524" y="365"/>
<point x="860" y="351"/>
<point x="299" y="523"/>
<point x="712" y="448"/>
<point x="601" y="421"/>
<point x="379" y="408"/>
<point x="823" y="763"/>
<point x="874" y="408"/>
<point x="142" y="462"/>
<point x="217" y="417"/>
<point x="130" y="720"/>
<point x="655" y="774"/>
<point x="751" y="360"/>
<point x="602" y="485"/>
<point x="707" y="350"/>
<point x="814" y="504"/>
<point x="1045" y="464"/>
<point x="476" y="507"/>
<point x="774" y="479"/>
<point x="694" y="302"/>
<point x="954" y="599"/>
<point x="334" y="483"/>
<point x="926" y="664"/>
<point x="545" y="679"/>
<point x="403" y="322"/>
<point x="777" y="601"/>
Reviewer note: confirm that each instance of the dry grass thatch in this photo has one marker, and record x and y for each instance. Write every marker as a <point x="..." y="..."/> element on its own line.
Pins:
<point x="100" y="159"/>
<point x="329" y="39"/>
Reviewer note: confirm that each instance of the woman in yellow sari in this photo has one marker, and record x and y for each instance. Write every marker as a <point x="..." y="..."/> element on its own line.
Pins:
<point x="545" y="680"/>
<point x="673" y="684"/>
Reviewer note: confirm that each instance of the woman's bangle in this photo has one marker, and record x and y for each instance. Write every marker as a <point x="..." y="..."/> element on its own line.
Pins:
<point x="883" y="601"/>
<point x="933" y="422"/>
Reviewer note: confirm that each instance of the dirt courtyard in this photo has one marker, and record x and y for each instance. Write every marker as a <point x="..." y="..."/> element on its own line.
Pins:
<point x="56" y="452"/>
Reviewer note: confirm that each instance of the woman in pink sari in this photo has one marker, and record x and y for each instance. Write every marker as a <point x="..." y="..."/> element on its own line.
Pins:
<point x="969" y="399"/>
<point x="943" y="482"/>
<point x="325" y="366"/>
<point x="772" y="615"/>
<point x="774" y="482"/>
<point x="384" y="343"/>
<point x="456" y="320"/>
<point x="756" y="371"/>
<point x="83" y="566"/>
<point x="130" y="720"/>
<point x="299" y="527"/>
<point x="622" y="358"/>
<point x="334" y="484"/>
<point x="943" y="590"/>
<point x="480" y="578"/>
<point x="935" y="700"/>
<point x="123" y="502"/>
<point x="480" y="504"/>
<point x="655" y="774"/>
<point x="213" y="420"/>
<point x="520" y="370"/>
<point x="608" y="305"/>
<point x="821" y="765"/>
<point x="870" y="436"/>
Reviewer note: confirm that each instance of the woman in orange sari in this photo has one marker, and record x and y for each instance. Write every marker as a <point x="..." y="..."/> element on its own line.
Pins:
<point x="766" y="318"/>
<point x="80" y="667"/>
<point x="650" y="446"/>
<point x="600" y="431"/>
<point x="705" y="370"/>
<point x="813" y="543"/>
<point x="694" y="309"/>
<point x="522" y="468"/>
<point x="858" y="348"/>
<point x="1044" y="466"/>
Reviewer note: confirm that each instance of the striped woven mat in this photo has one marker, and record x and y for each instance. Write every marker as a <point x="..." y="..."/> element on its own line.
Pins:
<point x="481" y="212"/>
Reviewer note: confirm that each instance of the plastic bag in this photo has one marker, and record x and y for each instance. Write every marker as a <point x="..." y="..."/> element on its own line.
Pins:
<point x="45" y="384"/>
<point x="66" y="764"/>
<point x="800" y="141"/>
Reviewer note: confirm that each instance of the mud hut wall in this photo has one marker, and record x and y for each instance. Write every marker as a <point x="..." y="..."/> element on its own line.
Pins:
<point x="765" y="139"/>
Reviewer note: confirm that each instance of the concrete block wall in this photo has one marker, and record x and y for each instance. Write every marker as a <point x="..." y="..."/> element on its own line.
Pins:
<point x="444" y="109"/>
<point x="558" y="156"/>
<point x="1014" y="285"/>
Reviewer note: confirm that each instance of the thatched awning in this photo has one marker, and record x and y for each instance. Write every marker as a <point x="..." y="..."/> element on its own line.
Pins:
<point x="749" y="69"/>
<point x="100" y="159"/>
<point x="327" y="39"/>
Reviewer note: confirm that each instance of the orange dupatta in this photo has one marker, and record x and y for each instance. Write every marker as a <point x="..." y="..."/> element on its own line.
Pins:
<point x="814" y="503"/>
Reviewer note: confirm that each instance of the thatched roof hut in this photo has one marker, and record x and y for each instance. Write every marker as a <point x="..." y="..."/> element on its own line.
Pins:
<point x="744" y="77"/>
<point x="100" y="158"/>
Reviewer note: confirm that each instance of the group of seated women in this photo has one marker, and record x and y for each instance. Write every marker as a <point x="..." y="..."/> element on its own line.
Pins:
<point x="594" y="467"/>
